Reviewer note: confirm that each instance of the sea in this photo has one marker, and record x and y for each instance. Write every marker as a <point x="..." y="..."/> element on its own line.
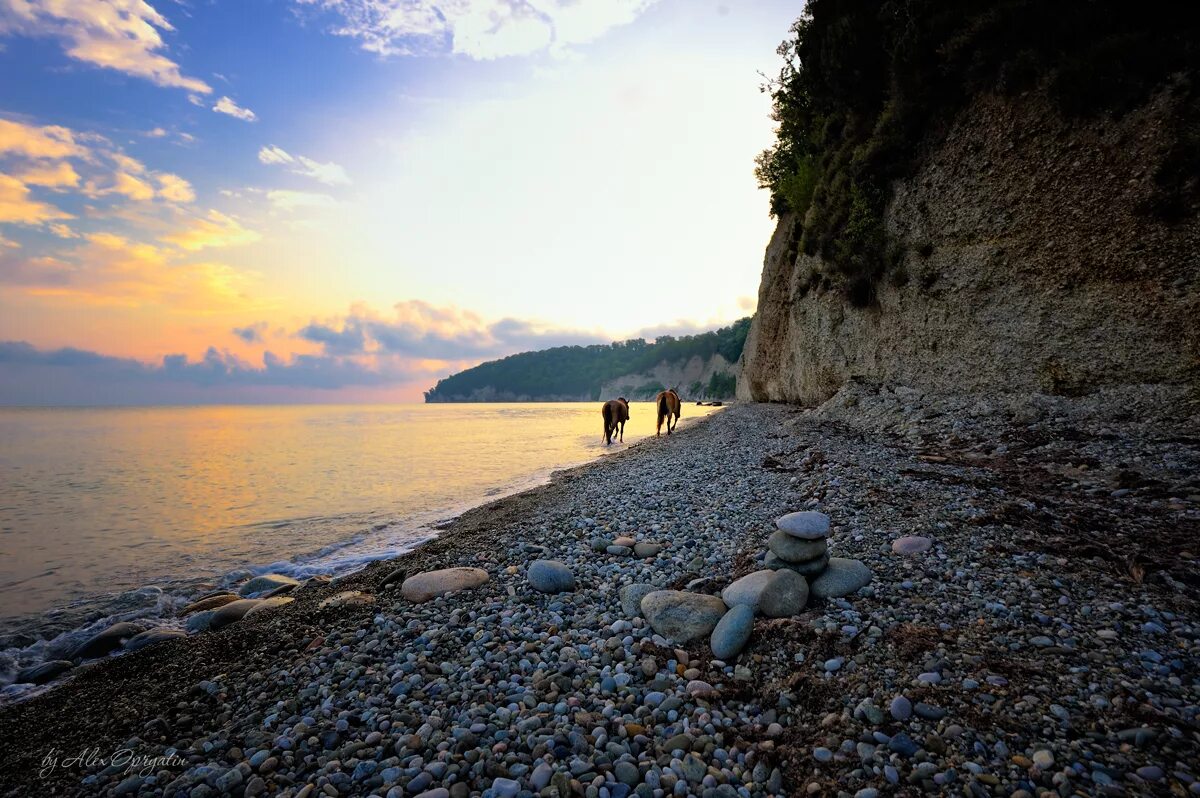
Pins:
<point x="111" y="514"/>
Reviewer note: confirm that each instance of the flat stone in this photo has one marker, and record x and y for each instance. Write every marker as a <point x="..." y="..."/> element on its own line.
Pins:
<point x="46" y="672"/>
<point x="682" y="617"/>
<point x="266" y="583"/>
<point x="619" y="551"/>
<point x="624" y="540"/>
<point x="268" y="604"/>
<point x="103" y="642"/>
<point x="911" y="545"/>
<point x="631" y="598"/>
<point x="232" y="612"/>
<point x="209" y="603"/>
<point x="431" y="584"/>
<point x="151" y="636"/>
<point x="841" y="578"/>
<point x="732" y="632"/>
<point x="784" y="596"/>
<point x="793" y="549"/>
<point x="550" y="576"/>
<point x="647" y="549"/>
<point x="747" y="590"/>
<point x="806" y="569"/>
<point x="199" y="621"/>
<point x="806" y="525"/>
<point x="347" y="598"/>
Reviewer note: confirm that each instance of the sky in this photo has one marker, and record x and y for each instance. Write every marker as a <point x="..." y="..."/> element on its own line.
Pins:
<point x="345" y="200"/>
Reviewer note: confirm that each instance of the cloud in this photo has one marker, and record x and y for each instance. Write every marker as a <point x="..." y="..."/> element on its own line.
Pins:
<point x="32" y="141"/>
<point x="50" y="175"/>
<point x="227" y="106"/>
<point x="479" y="29"/>
<point x="251" y="333"/>
<point x="215" y="229"/>
<point x="18" y="207"/>
<point x="123" y="35"/>
<point x="112" y="270"/>
<point x="331" y="174"/>
<point x="33" y="376"/>
<point x="421" y="330"/>
<point x="175" y="188"/>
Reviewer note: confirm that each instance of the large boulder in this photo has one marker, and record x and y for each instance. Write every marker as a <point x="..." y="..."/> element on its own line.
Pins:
<point x="431" y="584"/>
<point x="682" y="617"/>
<point x="209" y="603"/>
<point x="806" y="525"/>
<point x="151" y="636"/>
<point x="550" y="576"/>
<point x="747" y="590"/>
<point x="732" y="632"/>
<point x="794" y="549"/>
<point x="232" y="612"/>
<point x="841" y="578"/>
<point x="266" y="583"/>
<point x="103" y="642"/>
<point x="784" y="596"/>
<point x="199" y="621"/>
<point x="46" y="672"/>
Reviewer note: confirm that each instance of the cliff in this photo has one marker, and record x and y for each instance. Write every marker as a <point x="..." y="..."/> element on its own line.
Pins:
<point x="1027" y="259"/>
<point x="695" y="378"/>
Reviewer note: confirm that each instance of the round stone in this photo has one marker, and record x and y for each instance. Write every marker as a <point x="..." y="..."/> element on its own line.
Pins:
<point x="631" y="598"/>
<point x="793" y="549"/>
<point x="266" y="583"/>
<point x="682" y="617"/>
<point x="808" y="568"/>
<point x="550" y="576"/>
<point x="732" y="632"/>
<point x="911" y="545"/>
<point x="431" y="584"/>
<point x="748" y="590"/>
<point x="806" y="525"/>
<point x="841" y="578"/>
<point x="784" y="596"/>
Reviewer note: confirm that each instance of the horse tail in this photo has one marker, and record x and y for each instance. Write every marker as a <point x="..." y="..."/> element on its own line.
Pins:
<point x="606" y="412"/>
<point x="662" y="404"/>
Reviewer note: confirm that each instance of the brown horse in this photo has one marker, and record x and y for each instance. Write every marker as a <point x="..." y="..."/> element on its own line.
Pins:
<point x="616" y="413"/>
<point x="668" y="405"/>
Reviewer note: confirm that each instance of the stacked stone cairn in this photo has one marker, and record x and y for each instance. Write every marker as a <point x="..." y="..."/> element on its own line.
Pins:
<point x="798" y="566"/>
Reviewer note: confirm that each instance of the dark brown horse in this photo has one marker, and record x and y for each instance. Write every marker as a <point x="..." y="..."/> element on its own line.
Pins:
<point x="668" y="405"/>
<point x="616" y="413"/>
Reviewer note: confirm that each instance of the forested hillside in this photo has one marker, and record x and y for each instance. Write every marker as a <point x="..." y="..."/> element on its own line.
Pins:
<point x="578" y="372"/>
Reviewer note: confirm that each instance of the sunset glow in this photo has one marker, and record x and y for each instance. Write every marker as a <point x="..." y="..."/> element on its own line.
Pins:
<point x="320" y="201"/>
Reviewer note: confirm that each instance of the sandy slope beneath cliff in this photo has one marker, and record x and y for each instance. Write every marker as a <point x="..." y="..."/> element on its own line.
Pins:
<point x="1049" y="639"/>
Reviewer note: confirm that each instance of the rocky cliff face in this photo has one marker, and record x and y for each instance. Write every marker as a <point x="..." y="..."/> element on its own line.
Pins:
<point x="691" y="378"/>
<point x="1029" y="264"/>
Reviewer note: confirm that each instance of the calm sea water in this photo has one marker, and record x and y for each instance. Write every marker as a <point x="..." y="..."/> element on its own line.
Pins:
<point x="112" y="513"/>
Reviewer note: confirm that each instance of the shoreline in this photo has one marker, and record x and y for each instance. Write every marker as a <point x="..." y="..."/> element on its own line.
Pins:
<point x="160" y="599"/>
<point x="1021" y="643"/>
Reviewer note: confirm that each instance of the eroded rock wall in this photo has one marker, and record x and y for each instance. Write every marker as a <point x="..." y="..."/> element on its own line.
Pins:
<point x="1029" y="265"/>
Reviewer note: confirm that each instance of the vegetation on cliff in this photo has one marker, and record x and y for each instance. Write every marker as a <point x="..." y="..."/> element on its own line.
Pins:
<point x="580" y="371"/>
<point x="866" y="85"/>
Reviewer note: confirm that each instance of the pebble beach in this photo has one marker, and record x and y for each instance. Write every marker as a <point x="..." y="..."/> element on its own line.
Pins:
<point x="1029" y="627"/>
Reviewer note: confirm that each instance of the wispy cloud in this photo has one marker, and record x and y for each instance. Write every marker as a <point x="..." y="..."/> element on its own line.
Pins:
<point x="480" y="29"/>
<point x="214" y="229"/>
<point x="123" y="35"/>
<point x="251" y="333"/>
<point x="331" y="174"/>
<point x="227" y="106"/>
<point x="17" y="206"/>
<point x="286" y="200"/>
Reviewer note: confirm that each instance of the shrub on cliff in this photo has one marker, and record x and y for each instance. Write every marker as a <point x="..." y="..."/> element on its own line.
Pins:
<point x="865" y="84"/>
